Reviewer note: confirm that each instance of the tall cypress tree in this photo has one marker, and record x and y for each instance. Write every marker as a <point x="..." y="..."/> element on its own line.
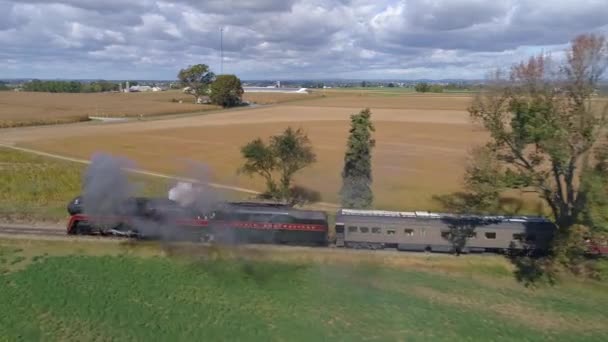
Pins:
<point x="356" y="189"/>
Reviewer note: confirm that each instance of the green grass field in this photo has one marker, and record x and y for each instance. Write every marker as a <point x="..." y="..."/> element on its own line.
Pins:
<point x="36" y="188"/>
<point x="33" y="187"/>
<point x="97" y="291"/>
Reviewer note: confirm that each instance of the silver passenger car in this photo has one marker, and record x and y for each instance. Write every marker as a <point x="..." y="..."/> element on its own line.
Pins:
<point x="425" y="231"/>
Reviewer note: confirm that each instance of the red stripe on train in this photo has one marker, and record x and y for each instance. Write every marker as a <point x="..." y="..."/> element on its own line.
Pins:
<point x="272" y="226"/>
<point x="205" y="223"/>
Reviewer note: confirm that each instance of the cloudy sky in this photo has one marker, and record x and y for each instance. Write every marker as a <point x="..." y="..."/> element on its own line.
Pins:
<point x="285" y="39"/>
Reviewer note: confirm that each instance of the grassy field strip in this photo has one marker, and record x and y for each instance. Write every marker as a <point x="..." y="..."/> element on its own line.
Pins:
<point x="490" y="264"/>
<point x="151" y="291"/>
<point x="151" y="173"/>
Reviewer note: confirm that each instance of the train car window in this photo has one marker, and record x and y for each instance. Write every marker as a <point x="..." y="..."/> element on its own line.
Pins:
<point x="490" y="235"/>
<point x="376" y="230"/>
<point x="408" y="232"/>
<point x="445" y="234"/>
<point x="390" y="232"/>
<point x="339" y="229"/>
<point x="352" y="229"/>
<point x="518" y="237"/>
<point x="364" y="229"/>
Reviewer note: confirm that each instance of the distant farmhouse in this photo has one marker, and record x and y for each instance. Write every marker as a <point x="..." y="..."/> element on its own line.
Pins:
<point x="144" y="88"/>
<point x="139" y="88"/>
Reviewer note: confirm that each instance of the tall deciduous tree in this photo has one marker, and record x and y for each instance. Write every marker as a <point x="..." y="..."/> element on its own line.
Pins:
<point x="226" y="91"/>
<point x="545" y="130"/>
<point x="595" y="187"/>
<point x="278" y="161"/>
<point x="197" y="79"/>
<point x="356" y="189"/>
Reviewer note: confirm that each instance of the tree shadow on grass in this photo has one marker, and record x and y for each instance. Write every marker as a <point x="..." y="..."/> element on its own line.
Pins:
<point x="265" y="272"/>
<point x="235" y="265"/>
<point x="533" y="271"/>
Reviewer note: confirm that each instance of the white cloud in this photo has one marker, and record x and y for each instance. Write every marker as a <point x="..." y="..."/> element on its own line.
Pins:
<point x="284" y="38"/>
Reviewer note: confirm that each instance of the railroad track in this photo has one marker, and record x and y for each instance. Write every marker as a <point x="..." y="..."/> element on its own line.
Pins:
<point x="54" y="233"/>
<point x="13" y="230"/>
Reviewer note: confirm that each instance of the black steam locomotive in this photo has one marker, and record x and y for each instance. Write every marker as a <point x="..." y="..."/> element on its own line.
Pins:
<point x="233" y="222"/>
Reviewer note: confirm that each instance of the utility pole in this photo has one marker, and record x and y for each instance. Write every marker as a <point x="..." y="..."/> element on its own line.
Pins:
<point x="221" y="50"/>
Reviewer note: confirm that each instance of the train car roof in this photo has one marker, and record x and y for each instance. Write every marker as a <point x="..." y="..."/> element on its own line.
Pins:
<point x="259" y="204"/>
<point x="391" y="215"/>
<point x="271" y="209"/>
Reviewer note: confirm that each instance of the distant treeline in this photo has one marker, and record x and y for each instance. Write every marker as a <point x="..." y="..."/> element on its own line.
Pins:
<point x="3" y="86"/>
<point x="428" y="88"/>
<point x="440" y="88"/>
<point x="70" y="86"/>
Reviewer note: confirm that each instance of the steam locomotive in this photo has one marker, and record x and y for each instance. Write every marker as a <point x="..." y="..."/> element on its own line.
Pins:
<point x="254" y="222"/>
<point x="234" y="222"/>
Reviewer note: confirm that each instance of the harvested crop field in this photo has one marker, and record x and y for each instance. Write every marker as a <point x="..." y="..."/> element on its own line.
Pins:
<point x="273" y="98"/>
<point x="22" y="108"/>
<point x="395" y="101"/>
<point x="412" y="161"/>
<point x="27" y="109"/>
<point x="420" y="152"/>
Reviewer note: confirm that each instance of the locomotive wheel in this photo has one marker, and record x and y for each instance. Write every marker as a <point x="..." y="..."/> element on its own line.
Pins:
<point x="75" y="229"/>
<point x="80" y="229"/>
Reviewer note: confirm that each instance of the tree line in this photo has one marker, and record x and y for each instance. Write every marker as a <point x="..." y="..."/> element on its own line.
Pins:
<point x="548" y="135"/>
<point x="424" y="87"/>
<point x="70" y="86"/>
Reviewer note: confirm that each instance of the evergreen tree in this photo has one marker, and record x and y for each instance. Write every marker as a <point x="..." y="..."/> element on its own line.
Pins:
<point x="356" y="189"/>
